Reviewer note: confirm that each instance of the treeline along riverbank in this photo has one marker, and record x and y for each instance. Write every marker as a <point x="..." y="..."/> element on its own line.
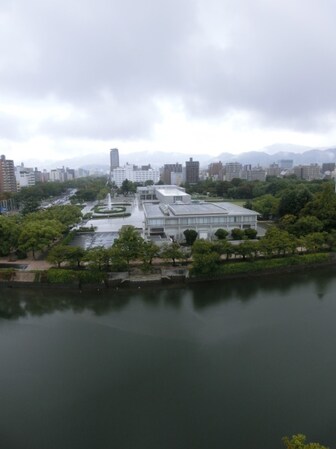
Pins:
<point x="53" y="278"/>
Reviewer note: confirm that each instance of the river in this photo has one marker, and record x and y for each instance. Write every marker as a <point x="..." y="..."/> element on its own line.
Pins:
<point x="229" y="365"/>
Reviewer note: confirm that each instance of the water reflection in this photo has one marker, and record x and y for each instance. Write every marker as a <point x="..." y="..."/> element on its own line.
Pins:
<point x="246" y="289"/>
<point x="19" y="303"/>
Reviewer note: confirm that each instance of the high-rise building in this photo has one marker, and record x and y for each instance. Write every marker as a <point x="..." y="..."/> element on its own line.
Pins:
<point x="286" y="164"/>
<point x="253" y="173"/>
<point x="215" y="170"/>
<point x="114" y="158"/>
<point x="328" y="167"/>
<point x="7" y="175"/>
<point x="308" y="172"/>
<point x="233" y="170"/>
<point x="168" y="169"/>
<point x="192" y="171"/>
<point x="274" y="170"/>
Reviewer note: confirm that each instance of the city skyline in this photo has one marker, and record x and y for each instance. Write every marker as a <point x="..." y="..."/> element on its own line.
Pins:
<point x="189" y="76"/>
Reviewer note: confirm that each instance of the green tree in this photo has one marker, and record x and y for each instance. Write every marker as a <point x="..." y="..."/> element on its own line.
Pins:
<point x="237" y="234"/>
<point x="127" y="187"/>
<point x="247" y="248"/>
<point x="250" y="233"/>
<point x="9" y="234"/>
<point x="203" y="247"/>
<point x="315" y="241"/>
<point x="223" y="247"/>
<point x="171" y="251"/>
<point x="205" y="258"/>
<point x="128" y="245"/>
<point x="75" y="254"/>
<point x="306" y="225"/>
<point x="293" y="200"/>
<point x="299" y="442"/>
<point x="67" y="215"/>
<point x="148" y="251"/>
<point x="98" y="258"/>
<point x="267" y="205"/>
<point x="221" y="233"/>
<point x="57" y="255"/>
<point x="38" y="235"/>
<point x="323" y="207"/>
<point x="277" y="242"/>
<point x="190" y="236"/>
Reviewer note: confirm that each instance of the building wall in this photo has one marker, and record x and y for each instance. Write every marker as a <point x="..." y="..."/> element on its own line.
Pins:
<point x="192" y="171"/>
<point x="168" y="170"/>
<point x="308" y="172"/>
<point x="114" y="158"/>
<point x="24" y="179"/>
<point x="133" y="174"/>
<point x="205" y="225"/>
<point x="233" y="170"/>
<point x="7" y="175"/>
<point x="177" y="178"/>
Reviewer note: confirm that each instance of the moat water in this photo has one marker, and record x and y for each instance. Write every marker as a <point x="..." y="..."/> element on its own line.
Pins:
<point x="229" y="365"/>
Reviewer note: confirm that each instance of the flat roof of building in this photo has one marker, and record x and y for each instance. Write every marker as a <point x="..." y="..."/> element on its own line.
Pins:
<point x="154" y="211"/>
<point x="197" y="209"/>
<point x="164" y="191"/>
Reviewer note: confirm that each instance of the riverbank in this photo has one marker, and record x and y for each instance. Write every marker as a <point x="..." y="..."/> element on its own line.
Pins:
<point x="40" y="274"/>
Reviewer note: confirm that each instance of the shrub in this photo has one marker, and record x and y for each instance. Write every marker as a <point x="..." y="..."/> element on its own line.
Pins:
<point x="221" y="234"/>
<point x="6" y="274"/>
<point x="250" y="233"/>
<point x="91" y="276"/>
<point x="57" y="276"/>
<point x="237" y="234"/>
<point x="190" y="236"/>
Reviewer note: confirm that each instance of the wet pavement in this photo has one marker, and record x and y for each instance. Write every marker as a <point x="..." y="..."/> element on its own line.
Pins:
<point x="106" y="229"/>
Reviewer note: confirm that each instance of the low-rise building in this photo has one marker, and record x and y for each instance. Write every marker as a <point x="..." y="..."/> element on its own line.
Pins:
<point x="171" y="211"/>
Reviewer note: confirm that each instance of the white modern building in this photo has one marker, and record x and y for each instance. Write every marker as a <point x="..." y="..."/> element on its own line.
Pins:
<point x="173" y="212"/>
<point x="24" y="177"/>
<point x="134" y="174"/>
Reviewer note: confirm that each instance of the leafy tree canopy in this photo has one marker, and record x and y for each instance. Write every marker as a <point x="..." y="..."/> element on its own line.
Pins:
<point x="299" y="442"/>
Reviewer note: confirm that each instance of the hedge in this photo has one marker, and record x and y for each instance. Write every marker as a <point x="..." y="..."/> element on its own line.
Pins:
<point x="269" y="264"/>
<point x="63" y="276"/>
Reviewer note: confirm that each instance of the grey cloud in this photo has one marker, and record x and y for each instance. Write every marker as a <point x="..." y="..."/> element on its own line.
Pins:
<point x="12" y="127"/>
<point x="273" y="59"/>
<point x="279" y="63"/>
<point x="105" y="120"/>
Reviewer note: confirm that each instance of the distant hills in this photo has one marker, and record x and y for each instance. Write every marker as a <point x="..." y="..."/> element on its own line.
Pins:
<point x="264" y="157"/>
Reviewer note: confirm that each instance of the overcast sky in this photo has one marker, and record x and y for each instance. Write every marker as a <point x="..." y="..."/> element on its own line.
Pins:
<point x="192" y="76"/>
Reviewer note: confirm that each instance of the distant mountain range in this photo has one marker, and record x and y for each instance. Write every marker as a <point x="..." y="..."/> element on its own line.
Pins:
<point x="264" y="157"/>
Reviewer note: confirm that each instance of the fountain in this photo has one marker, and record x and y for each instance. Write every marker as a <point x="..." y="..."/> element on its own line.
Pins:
<point x="109" y="202"/>
<point x="107" y="209"/>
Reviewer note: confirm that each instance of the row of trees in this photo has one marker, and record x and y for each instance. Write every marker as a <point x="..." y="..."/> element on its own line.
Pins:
<point x="242" y="189"/>
<point x="36" y="231"/>
<point x="206" y="257"/>
<point x="128" y="248"/>
<point x="297" y="203"/>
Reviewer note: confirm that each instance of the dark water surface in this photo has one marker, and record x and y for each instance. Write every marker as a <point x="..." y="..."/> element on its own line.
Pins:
<point x="232" y="365"/>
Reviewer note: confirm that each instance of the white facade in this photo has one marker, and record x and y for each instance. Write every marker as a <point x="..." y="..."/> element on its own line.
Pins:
<point x="171" y="212"/>
<point x="134" y="174"/>
<point x="205" y="218"/>
<point x="177" y="178"/>
<point x="24" y="178"/>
